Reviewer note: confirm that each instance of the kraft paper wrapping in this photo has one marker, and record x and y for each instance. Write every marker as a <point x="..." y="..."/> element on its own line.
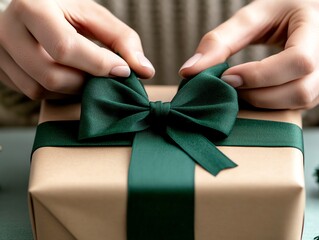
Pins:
<point x="81" y="193"/>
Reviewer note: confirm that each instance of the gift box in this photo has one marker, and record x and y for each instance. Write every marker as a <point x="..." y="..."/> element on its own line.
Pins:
<point x="82" y="192"/>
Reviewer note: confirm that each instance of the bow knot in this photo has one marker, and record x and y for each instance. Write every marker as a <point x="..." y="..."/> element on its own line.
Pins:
<point x="160" y="109"/>
<point x="158" y="112"/>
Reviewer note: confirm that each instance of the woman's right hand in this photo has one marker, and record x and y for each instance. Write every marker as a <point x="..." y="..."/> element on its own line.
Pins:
<point x="46" y="51"/>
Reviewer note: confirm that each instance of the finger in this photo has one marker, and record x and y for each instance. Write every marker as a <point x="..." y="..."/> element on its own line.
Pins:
<point x="301" y="93"/>
<point x="226" y="39"/>
<point x="275" y="70"/>
<point x="23" y="83"/>
<point x="19" y="79"/>
<point x="296" y="61"/>
<point x="6" y="81"/>
<point x="65" y="45"/>
<point x="116" y="35"/>
<point x="3" y="76"/>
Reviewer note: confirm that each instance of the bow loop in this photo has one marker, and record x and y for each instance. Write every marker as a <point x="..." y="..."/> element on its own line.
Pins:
<point x="207" y="102"/>
<point x="112" y="106"/>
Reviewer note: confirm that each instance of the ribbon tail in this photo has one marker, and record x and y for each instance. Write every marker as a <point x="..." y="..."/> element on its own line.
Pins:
<point x="201" y="150"/>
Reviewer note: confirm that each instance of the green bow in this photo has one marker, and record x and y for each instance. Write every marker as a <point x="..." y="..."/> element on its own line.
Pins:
<point x="204" y="107"/>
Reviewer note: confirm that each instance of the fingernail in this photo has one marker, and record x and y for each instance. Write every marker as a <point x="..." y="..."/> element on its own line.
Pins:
<point x="190" y="62"/>
<point x="120" y="71"/>
<point x="144" y="61"/>
<point x="233" y="80"/>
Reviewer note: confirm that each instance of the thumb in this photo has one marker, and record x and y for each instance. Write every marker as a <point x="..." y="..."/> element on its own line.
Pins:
<point x="226" y="39"/>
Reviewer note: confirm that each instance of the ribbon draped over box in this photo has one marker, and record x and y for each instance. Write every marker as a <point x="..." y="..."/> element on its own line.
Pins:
<point x="167" y="140"/>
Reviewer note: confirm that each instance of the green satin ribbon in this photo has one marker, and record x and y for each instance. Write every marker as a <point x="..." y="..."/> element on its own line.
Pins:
<point x="167" y="140"/>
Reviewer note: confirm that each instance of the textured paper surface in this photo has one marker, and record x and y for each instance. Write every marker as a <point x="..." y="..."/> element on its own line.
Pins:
<point x="80" y="193"/>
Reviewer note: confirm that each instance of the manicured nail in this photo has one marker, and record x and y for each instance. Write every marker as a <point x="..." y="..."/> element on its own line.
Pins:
<point x="120" y="71"/>
<point x="144" y="61"/>
<point x="190" y="62"/>
<point x="233" y="80"/>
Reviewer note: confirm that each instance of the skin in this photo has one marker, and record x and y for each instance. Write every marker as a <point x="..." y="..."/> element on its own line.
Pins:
<point x="287" y="80"/>
<point x="45" y="50"/>
<point x="56" y="53"/>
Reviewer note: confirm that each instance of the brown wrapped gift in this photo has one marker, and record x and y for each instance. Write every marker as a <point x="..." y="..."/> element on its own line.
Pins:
<point x="81" y="193"/>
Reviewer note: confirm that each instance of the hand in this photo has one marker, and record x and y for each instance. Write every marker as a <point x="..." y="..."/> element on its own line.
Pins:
<point x="287" y="80"/>
<point x="45" y="50"/>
